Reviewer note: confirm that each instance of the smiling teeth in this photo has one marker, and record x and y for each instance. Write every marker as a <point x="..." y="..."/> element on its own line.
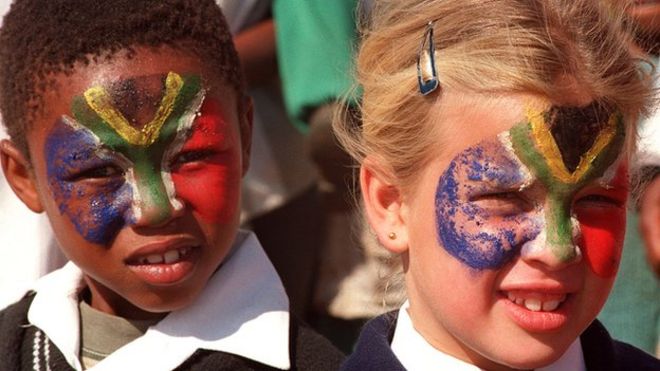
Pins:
<point x="169" y="257"/>
<point x="537" y="305"/>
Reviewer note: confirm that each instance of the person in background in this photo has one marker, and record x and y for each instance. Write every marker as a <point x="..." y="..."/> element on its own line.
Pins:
<point x="632" y="311"/>
<point x="315" y="42"/>
<point x="278" y="200"/>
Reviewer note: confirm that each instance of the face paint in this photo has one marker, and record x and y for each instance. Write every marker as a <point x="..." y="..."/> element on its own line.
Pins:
<point x="482" y="216"/>
<point x="603" y="228"/>
<point x="207" y="187"/>
<point x="597" y="140"/>
<point x="138" y="158"/>
<point x="474" y="224"/>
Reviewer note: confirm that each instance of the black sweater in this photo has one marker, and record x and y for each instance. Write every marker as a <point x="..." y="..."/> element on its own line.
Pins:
<point x="601" y="352"/>
<point x="21" y="345"/>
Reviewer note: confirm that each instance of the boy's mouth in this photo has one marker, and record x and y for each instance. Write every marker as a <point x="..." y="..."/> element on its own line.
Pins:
<point x="169" y="257"/>
<point x="536" y="302"/>
<point x="165" y="262"/>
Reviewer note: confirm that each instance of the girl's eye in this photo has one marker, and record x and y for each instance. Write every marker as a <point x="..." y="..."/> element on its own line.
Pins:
<point x="597" y="200"/>
<point x="503" y="203"/>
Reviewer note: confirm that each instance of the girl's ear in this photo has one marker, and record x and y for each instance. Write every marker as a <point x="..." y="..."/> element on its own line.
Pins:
<point x="18" y="173"/>
<point x="383" y="203"/>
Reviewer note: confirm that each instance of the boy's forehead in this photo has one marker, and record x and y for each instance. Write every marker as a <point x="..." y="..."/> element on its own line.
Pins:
<point x="134" y="81"/>
<point x="137" y="98"/>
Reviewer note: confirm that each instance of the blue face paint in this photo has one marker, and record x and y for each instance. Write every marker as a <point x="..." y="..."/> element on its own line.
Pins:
<point x="477" y="221"/>
<point x="98" y="207"/>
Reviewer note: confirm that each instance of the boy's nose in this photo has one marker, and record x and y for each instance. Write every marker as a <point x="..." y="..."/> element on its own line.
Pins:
<point x="153" y="206"/>
<point x="154" y="214"/>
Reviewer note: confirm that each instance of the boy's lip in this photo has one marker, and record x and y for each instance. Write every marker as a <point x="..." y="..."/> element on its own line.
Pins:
<point x="166" y="261"/>
<point x="160" y="247"/>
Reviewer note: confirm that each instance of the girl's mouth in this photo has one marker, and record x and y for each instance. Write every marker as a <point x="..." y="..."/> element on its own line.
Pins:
<point x="537" y="311"/>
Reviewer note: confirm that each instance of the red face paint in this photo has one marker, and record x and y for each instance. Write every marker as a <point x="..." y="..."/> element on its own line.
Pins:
<point x="207" y="170"/>
<point x="602" y="217"/>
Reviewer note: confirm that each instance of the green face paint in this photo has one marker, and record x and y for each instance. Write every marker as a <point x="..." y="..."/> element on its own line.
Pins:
<point x="565" y="164"/>
<point x="148" y="149"/>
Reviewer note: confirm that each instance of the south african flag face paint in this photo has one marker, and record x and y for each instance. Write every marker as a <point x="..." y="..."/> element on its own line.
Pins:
<point x="139" y="151"/>
<point x="551" y="182"/>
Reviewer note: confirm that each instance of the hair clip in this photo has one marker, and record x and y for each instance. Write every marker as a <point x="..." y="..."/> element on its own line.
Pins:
<point x="427" y="76"/>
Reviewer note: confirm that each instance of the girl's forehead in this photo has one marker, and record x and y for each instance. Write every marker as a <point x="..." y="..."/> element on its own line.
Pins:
<point x="468" y="119"/>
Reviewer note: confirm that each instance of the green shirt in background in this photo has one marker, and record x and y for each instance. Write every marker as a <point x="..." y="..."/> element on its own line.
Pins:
<point x="632" y="311"/>
<point x="315" y="47"/>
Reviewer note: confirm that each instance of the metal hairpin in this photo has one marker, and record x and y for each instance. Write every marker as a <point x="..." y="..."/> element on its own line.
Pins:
<point x="427" y="76"/>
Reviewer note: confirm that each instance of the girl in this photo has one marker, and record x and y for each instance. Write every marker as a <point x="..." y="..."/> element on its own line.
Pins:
<point x="493" y="152"/>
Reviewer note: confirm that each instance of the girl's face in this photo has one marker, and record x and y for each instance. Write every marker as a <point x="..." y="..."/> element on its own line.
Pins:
<point x="513" y="235"/>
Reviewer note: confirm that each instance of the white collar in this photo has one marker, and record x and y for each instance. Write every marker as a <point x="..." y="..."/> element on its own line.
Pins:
<point x="243" y="310"/>
<point x="416" y="354"/>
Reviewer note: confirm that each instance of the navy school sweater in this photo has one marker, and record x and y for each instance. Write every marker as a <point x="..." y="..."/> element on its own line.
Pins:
<point x="601" y="352"/>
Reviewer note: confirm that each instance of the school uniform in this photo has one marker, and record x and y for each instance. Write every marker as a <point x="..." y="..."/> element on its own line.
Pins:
<point x="389" y="342"/>
<point x="240" y="320"/>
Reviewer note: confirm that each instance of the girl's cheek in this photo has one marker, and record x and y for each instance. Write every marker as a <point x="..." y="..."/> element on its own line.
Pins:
<point x="212" y="191"/>
<point x="602" y="239"/>
<point x="603" y="229"/>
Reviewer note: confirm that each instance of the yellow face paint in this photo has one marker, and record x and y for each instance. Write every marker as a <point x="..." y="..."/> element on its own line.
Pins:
<point x="550" y="151"/>
<point x="98" y="99"/>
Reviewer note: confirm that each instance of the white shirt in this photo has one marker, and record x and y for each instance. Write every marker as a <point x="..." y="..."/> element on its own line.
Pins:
<point x="416" y="354"/>
<point x="243" y="310"/>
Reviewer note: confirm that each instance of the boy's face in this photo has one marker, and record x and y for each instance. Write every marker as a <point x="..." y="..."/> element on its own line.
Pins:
<point x="515" y="238"/>
<point x="138" y="163"/>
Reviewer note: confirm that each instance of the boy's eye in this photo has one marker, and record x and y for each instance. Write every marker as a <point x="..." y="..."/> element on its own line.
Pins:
<point x="100" y="172"/>
<point x="192" y="156"/>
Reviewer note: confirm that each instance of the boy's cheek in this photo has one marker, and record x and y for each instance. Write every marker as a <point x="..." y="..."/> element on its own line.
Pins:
<point x="96" y="213"/>
<point x="603" y="233"/>
<point x="212" y="192"/>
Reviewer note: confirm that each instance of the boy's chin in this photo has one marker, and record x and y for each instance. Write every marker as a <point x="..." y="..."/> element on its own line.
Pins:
<point x="162" y="303"/>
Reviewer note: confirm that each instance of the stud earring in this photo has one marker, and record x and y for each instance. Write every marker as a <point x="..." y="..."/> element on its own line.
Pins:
<point x="392" y="236"/>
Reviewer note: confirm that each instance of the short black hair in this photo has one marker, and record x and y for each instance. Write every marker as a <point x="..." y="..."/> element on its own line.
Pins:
<point x="41" y="38"/>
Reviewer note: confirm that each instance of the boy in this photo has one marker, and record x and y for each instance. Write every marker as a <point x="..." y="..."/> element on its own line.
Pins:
<point x="130" y="128"/>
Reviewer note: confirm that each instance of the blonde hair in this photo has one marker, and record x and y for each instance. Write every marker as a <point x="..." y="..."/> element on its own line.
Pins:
<point x="483" y="46"/>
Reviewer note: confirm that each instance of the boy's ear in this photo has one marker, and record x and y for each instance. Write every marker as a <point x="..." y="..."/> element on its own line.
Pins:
<point x="383" y="203"/>
<point x="19" y="175"/>
<point x="650" y="223"/>
<point x="246" y="118"/>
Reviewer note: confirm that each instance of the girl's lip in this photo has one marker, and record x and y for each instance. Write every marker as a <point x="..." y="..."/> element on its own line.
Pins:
<point x="538" y="319"/>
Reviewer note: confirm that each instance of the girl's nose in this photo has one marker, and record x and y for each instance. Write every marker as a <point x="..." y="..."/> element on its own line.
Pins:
<point x="553" y="256"/>
<point x="556" y="246"/>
